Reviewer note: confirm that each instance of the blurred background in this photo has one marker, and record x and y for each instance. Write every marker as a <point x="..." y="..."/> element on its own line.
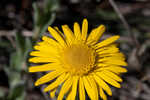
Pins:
<point x="23" y="22"/>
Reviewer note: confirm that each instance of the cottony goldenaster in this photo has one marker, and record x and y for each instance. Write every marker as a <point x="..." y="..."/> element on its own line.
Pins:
<point x="78" y="62"/>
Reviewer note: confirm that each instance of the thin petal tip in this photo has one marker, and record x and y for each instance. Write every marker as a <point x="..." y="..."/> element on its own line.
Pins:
<point x="125" y="64"/>
<point x="117" y="36"/>
<point x="64" y="26"/>
<point x="102" y="27"/>
<point x="37" y="83"/>
<point x="119" y="86"/>
<point x="30" y="60"/>
<point x="30" y="69"/>
<point x="49" y="27"/>
<point x="85" y="21"/>
<point x="45" y="90"/>
<point x="75" y="23"/>
<point x="125" y="70"/>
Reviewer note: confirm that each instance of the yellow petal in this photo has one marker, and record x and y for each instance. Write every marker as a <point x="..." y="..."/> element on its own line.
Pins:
<point x="57" y="29"/>
<point x="90" y="40"/>
<point x="84" y="29"/>
<point x="50" y="41"/>
<point x="107" y="59"/>
<point x="88" y="88"/>
<point x="69" y="96"/>
<point x="102" y="84"/>
<point x="113" y="68"/>
<point x="68" y="33"/>
<point x="56" y="83"/>
<point x="48" y="77"/>
<point x="117" y="69"/>
<point x="101" y="65"/>
<point x="108" y="51"/>
<point x="107" y="41"/>
<point x="65" y="88"/>
<point x="95" y="35"/>
<point x="113" y="55"/>
<point x="114" y="62"/>
<point x="93" y="86"/>
<point x="73" y="92"/>
<point x="112" y="75"/>
<point x="112" y="45"/>
<point x="52" y="93"/>
<point x="81" y="89"/>
<point x="43" y="46"/>
<point x="77" y="31"/>
<point x="108" y="79"/>
<point x="102" y="94"/>
<point x="57" y="36"/>
<point x="42" y="59"/>
<point x="74" y="87"/>
<point x="43" y="54"/>
<point x="46" y="47"/>
<point x="44" y="67"/>
<point x="45" y="51"/>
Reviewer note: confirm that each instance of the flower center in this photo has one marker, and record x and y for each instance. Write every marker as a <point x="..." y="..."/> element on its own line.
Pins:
<point x="78" y="59"/>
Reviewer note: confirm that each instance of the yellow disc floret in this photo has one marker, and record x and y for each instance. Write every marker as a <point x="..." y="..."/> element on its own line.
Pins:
<point x="78" y="58"/>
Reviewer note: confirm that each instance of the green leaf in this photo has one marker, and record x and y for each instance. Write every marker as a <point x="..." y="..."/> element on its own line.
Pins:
<point x="44" y="16"/>
<point x="49" y="22"/>
<point x="20" y="41"/>
<point x="28" y="47"/>
<point x="37" y="15"/>
<point x="17" y="92"/>
<point x="16" y="61"/>
<point x="51" y="5"/>
<point x="2" y="93"/>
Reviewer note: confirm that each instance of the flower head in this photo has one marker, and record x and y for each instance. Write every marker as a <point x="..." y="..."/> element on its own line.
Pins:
<point x="78" y="62"/>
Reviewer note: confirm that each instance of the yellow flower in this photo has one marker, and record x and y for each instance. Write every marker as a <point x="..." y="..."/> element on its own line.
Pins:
<point x="78" y="62"/>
